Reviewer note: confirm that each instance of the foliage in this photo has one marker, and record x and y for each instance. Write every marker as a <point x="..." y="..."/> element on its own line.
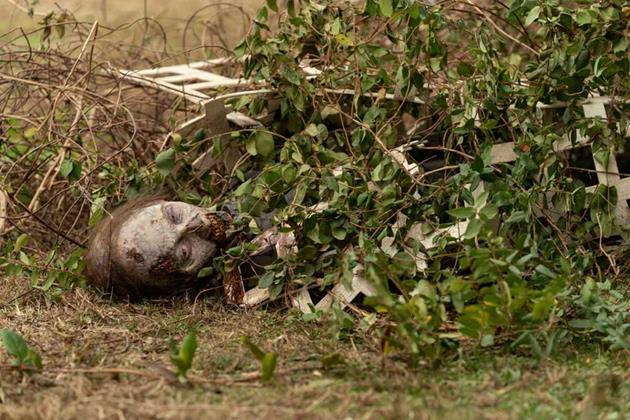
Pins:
<point x="182" y="355"/>
<point x="268" y="360"/>
<point x="601" y="311"/>
<point x="477" y="84"/>
<point x="51" y="273"/>
<point x="26" y="359"/>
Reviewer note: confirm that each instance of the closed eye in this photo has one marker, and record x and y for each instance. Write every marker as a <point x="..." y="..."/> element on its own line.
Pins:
<point x="172" y="214"/>
<point x="184" y="252"/>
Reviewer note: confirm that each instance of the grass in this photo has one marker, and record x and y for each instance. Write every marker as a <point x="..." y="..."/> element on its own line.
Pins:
<point x="167" y="19"/>
<point x="110" y="359"/>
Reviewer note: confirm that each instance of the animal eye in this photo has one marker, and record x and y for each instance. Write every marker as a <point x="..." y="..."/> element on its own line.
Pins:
<point x="184" y="252"/>
<point x="172" y="214"/>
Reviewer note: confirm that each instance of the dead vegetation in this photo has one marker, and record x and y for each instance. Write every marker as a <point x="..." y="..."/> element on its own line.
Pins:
<point x="110" y="360"/>
<point x="75" y="128"/>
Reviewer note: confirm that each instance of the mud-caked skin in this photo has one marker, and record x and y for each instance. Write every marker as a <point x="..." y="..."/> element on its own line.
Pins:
<point x="153" y="249"/>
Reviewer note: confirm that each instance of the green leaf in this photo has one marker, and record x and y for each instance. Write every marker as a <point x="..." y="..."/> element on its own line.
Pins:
<point x="289" y="174"/>
<point x="165" y="161"/>
<point x="240" y="50"/>
<point x="533" y="14"/>
<point x="339" y="233"/>
<point x="583" y="17"/>
<point x="462" y="212"/>
<point x="536" y="349"/>
<point x="250" y="146"/>
<point x="581" y="324"/>
<point x="602" y="155"/>
<point x="182" y="357"/>
<point x="29" y="133"/>
<point x="14" y="345"/>
<point x="465" y="69"/>
<point x="97" y="210"/>
<point x="579" y="199"/>
<point x="621" y="45"/>
<point x="268" y="365"/>
<point x="189" y="347"/>
<point x="25" y="357"/>
<point x="387" y="8"/>
<point x="266" y="280"/>
<point x="487" y="340"/>
<point x="273" y="5"/>
<point x="344" y="40"/>
<point x="19" y="242"/>
<point x="545" y="271"/>
<point x="311" y="130"/>
<point x="264" y="143"/>
<point x="243" y="189"/>
<point x="66" y="168"/>
<point x="35" y="359"/>
<point x="473" y="229"/>
<point x="24" y="259"/>
<point x="75" y="174"/>
<point x="489" y="212"/>
<point x="329" y="110"/>
<point x="517" y="216"/>
<point x="291" y="75"/>
<point x="253" y="348"/>
<point x="205" y="272"/>
<point x="436" y="63"/>
<point x="335" y="26"/>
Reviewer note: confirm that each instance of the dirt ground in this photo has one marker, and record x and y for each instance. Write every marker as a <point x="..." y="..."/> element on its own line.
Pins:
<point x="110" y="360"/>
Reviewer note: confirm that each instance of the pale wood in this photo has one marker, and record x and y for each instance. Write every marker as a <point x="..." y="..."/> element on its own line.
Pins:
<point x="217" y="126"/>
<point x="608" y="174"/>
<point x="179" y="68"/>
<point x="623" y="188"/>
<point x="214" y="84"/>
<point x="302" y="300"/>
<point x="455" y="231"/>
<point x="503" y="153"/>
<point x="255" y="296"/>
<point x="195" y="97"/>
<point x="196" y="75"/>
<point x="343" y="295"/>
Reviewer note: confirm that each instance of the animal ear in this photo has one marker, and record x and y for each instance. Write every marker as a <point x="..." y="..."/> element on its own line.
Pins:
<point x="97" y="259"/>
<point x="218" y="229"/>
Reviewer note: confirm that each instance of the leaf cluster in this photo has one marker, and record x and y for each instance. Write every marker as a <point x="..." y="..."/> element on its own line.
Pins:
<point x="267" y="360"/>
<point x="182" y="355"/>
<point x="25" y="358"/>
<point x="532" y="226"/>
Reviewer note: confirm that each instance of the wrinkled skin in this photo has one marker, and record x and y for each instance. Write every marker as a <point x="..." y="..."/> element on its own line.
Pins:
<point x="167" y="237"/>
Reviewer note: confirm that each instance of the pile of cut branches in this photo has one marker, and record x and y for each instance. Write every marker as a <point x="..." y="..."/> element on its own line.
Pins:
<point x="395" y="135"/>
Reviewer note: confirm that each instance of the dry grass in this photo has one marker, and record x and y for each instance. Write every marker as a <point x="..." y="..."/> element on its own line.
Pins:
<point x="115" y="12"/>
<point x="110" y="360"/>
<point x="151" y="24"/>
